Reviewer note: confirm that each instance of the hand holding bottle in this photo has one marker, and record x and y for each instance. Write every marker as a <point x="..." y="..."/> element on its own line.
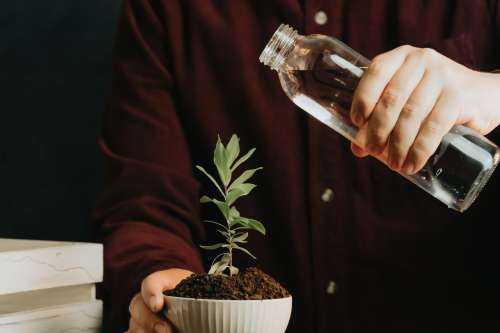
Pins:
<point x="409" y="98"/>
<point x="407" y="108"/>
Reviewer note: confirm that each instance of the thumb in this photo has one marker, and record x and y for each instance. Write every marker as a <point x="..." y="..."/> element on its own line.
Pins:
<point x="155" y="284"/>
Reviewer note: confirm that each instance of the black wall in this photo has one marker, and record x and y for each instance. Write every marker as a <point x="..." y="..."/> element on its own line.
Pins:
<point x="54" y="79"/>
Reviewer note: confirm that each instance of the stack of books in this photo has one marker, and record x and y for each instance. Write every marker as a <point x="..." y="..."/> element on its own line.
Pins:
<point x="49" y="287"/>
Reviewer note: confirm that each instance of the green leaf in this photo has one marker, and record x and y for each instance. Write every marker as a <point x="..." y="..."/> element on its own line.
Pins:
<point x="246" y="175"/>
<point x="220" y="161"/>
<point x="241" y="238"/>
<point x="205" y="199"/>
<point x="226" y="258"/>
<point x="238" y="191"/>
<point x="217" y="223"/>
<point x="244" y="250"/>
<point x="212" y="247"/>
<point x="211" y="178"/>
<point x="233" y="214"/>
<point x="223" y="233"/>
<point x="221" y="265"/>
<point x="233" y="270"/>
<point x="242" y="228"/>
<point x="242" y="159"/>
<point x="223" y="207"/>
<point x="232" y="150"/>
<point x="252" y="224"/>
<point x="218" y="268"/>
<point x="213" y="268"/>
<point x="258" y="226"/>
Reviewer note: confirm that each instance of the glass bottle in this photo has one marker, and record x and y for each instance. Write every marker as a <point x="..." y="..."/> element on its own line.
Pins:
<point x="319" y="74"/>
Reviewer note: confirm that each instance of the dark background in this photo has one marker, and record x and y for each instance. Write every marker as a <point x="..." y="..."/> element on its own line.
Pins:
<point x="55" y="65"/>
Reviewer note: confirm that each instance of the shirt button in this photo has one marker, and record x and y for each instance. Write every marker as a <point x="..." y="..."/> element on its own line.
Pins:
<point x="320" y="18"/>
<point x="327" y="195"/>
<point x="330" y="289"/>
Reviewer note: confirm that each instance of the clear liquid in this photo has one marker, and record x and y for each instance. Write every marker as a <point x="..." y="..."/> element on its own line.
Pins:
<point x="455" y="173"/>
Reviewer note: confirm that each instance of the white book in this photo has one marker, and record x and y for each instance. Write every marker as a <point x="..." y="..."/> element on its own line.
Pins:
<point x="27" y="265"/>
<point x="12" y="305"/>
<point x="70" y="318"/>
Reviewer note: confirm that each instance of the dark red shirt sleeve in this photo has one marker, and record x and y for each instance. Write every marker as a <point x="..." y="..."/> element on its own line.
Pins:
<point x="148" y="213"/>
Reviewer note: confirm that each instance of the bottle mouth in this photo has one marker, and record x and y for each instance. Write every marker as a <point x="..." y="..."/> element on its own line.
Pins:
<point x="279" y="47"/>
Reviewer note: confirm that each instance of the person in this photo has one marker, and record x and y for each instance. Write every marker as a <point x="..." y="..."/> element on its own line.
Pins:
<point x="359" y="247"/>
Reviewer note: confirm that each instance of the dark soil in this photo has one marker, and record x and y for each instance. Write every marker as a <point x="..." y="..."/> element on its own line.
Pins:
<point x="251" y="284"/>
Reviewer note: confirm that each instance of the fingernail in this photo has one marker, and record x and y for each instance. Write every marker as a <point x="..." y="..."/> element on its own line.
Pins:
<point x="160" y="328"/>
<point x="358" y="119"/>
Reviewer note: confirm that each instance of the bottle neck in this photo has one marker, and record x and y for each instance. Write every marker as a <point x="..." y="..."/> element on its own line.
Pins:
<point x="279" y="47"/>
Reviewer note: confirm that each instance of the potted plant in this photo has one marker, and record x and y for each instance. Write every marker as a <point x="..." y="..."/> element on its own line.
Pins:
<point x="227" y="300"/>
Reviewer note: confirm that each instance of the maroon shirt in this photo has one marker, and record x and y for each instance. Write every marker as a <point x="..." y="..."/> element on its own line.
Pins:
<point x="396" y="259"/>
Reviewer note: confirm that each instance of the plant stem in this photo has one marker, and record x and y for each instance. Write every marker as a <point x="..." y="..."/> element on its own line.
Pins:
<point x="230" y="261"/>
<point x="230" y="248"/>
<point x="229" y="239"/>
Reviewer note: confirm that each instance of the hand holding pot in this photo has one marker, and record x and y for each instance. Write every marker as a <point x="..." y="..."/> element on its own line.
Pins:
<point x="146" y="305"/>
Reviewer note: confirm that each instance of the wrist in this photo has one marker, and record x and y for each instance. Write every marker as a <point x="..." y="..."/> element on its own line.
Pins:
<point x="492" y="90"/>
<point x="484" y="95"/>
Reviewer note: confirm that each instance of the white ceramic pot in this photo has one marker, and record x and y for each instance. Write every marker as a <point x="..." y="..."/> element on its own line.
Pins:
<point x="191" y="315"/>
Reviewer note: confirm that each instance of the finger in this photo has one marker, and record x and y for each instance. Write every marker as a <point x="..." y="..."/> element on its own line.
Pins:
<point x="373" y="83"/>
<point x="414" y="112"/>
<point x="386" y="112"/>
<point x="439" y="122"/>
<point x="134" y="327"/>
<point x="358" y="151"/>
<point x="142" y="316"/>
<point x="155" y="284"/>
<point x="152" y="290"/>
